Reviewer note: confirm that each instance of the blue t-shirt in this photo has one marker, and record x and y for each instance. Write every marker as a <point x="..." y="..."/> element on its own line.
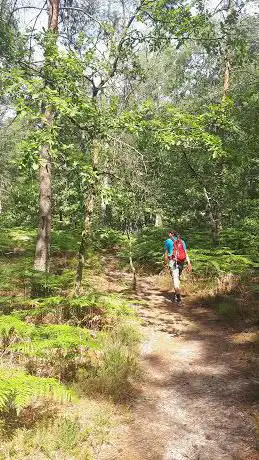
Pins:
<point x="169" y="246"/>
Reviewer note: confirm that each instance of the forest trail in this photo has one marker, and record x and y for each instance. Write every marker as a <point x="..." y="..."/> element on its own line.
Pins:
<point x="199" y="388"/>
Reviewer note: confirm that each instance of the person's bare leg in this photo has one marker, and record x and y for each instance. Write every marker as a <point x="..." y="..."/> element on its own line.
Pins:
<point x="176" y="281"/>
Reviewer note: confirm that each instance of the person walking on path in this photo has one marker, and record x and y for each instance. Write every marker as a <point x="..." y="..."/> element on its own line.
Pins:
<point x="175" y="254"/>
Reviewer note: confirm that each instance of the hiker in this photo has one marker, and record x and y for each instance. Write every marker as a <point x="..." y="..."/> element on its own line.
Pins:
<point x="175" y="254"/>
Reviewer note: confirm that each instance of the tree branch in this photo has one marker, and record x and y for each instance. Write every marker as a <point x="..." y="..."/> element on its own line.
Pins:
<point x="119" y="141"/>
<point x="35" y="22"/>
<point x="81" y="10"/>
<point x="27" y="8"/>
<point x="200" y="181"/>
<point x="119" y="48"/>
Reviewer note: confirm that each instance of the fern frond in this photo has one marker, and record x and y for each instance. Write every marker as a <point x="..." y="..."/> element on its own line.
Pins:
<point x="18" y="390"/>
<point x="9" y="323"/>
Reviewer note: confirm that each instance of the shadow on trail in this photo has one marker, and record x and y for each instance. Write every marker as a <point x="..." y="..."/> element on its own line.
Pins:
<point x="213" y="378"/>
<point x="200" y="386"/>
<point x="227" y="369"/>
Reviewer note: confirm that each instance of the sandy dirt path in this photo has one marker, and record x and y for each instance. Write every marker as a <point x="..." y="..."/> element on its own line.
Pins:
<point x="199" y="388"/>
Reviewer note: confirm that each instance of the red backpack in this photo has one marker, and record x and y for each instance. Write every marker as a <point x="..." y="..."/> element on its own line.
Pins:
<point x="179" y="251"/>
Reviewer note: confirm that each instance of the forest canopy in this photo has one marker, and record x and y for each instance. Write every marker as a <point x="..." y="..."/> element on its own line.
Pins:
<point x="129" y="113"/>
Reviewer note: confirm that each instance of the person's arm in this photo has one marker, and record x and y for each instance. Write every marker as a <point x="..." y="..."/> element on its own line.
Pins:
<point x="187" y="257"/>
<point x="168" y="249"/>
<point x="165" y="252"/>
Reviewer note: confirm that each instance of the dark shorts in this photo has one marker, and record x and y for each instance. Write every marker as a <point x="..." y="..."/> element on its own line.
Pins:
<point x="179" y="265"/>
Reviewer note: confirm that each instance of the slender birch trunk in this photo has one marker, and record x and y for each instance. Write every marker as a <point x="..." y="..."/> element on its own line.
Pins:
<point x="134" y="277"/>
<point x="226" y="74"/>
<point x="215" y="219"/>
<point x="87" y="232"/>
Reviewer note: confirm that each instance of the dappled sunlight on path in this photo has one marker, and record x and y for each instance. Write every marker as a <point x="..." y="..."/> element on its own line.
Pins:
<point x="198" y="391"/>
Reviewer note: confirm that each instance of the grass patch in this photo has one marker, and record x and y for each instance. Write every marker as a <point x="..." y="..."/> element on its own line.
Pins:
<point x="16" y="241"/>
<point x="64" y="438"/>
<point x="78" y="432"/>
<point x="236" y="308"/>
<point x="116" y="367"/>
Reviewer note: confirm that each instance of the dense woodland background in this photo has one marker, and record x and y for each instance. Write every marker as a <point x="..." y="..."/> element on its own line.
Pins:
<point x="119" y="120"/>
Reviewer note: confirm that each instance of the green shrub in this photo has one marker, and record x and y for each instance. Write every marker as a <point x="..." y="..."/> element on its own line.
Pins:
<point x="19" y="276"/>
<point x="17" y="237"/>
<point x="43" y="337"/>
<point x="60" y="348"/>
<point x="212" y="263"/>
<point x="64" y="240"/>
<point x="52" y="337"/>
<point x="108" y="238"/>
<point x="13" y="275"/>
<point x="53" y="350"/>
<point x="93" y="311"/>
<point x="147" y="249"/>
<point x="16" y="326"/>
<point x="243" y="239"/>
<point x="45" y="285"/>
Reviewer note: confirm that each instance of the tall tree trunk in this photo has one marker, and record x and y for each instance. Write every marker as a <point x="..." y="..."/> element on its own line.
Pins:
<point x="216" y="227"/>
<point x="89" y="208"/>
<point x="215" y="219"/>
<point x="216" y="230"/>
<point x="158" y="220"/>
<point x="134" y="277"/>
<point x="227" y="54"/>
<point x="105" y="184"/>
<point x="226" y="74"/>
<point x="41" y="262"/>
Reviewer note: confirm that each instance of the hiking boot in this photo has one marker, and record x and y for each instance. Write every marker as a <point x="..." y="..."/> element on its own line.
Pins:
<point x="178" y="298"/>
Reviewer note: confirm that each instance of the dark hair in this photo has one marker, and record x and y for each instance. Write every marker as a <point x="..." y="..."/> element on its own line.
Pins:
<point x="175" y="233"/>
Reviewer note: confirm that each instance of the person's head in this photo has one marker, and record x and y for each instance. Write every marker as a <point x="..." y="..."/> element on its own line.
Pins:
<point x="173" y="234"/>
